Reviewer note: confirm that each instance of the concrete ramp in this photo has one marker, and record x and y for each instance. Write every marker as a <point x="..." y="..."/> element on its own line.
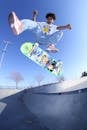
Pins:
<point x="65" y="86"/>
<point x="65" y="111"/>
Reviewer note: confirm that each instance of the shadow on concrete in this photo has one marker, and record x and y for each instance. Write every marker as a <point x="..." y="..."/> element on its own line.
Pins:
<point x="14" y="115"/>
<point x="59" y="111"/>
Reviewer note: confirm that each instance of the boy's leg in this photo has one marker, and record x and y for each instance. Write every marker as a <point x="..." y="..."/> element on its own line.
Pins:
<point x="18" y="26"/>
<point x="53" y="39"/>
<point x="15" y="23"/>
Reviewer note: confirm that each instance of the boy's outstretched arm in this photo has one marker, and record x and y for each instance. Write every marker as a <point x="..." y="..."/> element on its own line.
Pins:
<point x="35" y="13"/>
<point x="68" y="26"/>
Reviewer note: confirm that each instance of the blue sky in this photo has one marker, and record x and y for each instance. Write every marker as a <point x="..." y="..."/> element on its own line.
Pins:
<point x="73" y="45"/>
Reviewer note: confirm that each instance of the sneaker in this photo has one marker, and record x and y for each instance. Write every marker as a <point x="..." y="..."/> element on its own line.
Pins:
<point x="52" y="48"/>
<point x="15" y="23"/>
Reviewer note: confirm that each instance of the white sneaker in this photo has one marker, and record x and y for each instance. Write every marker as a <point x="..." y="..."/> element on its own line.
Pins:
<point x="15" y="23"/>
<point x="52" y="48"/>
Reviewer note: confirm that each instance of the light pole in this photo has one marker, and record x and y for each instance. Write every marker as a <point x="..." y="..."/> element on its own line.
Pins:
<point x="4" y="51"/>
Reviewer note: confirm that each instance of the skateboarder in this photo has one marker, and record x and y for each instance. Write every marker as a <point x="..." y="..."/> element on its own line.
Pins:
<point x="46" y="32"/>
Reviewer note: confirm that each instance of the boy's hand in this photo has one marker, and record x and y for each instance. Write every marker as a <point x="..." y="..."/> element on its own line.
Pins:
<point x="68" y="26"/>
<point x="35" y="12"/>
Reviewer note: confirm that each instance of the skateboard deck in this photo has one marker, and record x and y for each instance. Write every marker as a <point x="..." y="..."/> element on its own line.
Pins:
<point x="42" y="58"/>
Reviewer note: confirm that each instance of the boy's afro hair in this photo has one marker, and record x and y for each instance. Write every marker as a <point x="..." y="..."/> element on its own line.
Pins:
<point x="51" y="15"/>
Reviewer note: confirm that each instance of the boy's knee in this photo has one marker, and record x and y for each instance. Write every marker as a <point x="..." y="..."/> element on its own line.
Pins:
<point x="60" y="34"/>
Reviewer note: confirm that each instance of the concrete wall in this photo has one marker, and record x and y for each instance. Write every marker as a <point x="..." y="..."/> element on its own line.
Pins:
<point x="59" y="112"/>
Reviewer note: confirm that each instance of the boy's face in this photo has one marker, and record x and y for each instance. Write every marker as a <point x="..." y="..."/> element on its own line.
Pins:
<point x="50" y="20"/>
